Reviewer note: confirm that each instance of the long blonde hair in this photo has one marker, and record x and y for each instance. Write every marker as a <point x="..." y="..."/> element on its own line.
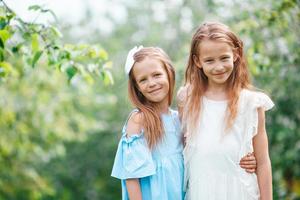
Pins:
<point x="198" y="82"/>
<point x="152" y="124"/>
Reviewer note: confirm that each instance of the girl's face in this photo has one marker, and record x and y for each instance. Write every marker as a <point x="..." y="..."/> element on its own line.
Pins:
<point x="152" y="80"/>
<point x="216" y="59"/>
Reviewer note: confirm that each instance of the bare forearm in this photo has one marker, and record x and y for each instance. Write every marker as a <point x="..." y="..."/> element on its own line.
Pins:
<point x="264" y="176"/>
<point x="134" y="189"/>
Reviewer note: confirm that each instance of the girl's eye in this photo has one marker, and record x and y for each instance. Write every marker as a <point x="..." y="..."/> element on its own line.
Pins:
<point x="208" y="61"/>
<point x="225" y="58"/>
<point x="142" y="80"/>
<point x="157" y="75"/>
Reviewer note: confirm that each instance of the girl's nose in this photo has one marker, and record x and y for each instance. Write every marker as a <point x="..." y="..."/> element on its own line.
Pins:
<point x="218" y="66"/>
<point x="151" y="82"/>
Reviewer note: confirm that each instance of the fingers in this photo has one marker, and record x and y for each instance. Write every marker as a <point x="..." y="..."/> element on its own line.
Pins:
<point x="248" y="163"/>
<point x="248" y="160"/>
<point x="249" y="156"/>
<point x="250" y="167"/>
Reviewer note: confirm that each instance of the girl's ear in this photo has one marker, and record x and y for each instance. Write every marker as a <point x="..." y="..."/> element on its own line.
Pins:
<point x="197" y="61"/>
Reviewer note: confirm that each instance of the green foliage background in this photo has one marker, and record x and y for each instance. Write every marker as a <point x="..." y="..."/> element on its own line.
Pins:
<point x="60" y="118"/>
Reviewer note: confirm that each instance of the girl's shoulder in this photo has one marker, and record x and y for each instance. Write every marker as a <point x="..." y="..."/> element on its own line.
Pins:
<point x="133" y="124"/>
<point x="182" y="94"/>
<point x="255" y="99"/>
<point x="133" y="158"/>
<point x="253" y="94"/>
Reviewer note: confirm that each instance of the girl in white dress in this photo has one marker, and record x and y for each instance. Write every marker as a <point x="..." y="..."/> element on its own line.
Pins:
<point x="223" y="118"/>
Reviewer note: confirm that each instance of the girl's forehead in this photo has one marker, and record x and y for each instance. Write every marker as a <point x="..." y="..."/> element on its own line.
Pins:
<point x="146" y="66"/>
<point x="149" y="62"/>
<point x="211" y="46"/>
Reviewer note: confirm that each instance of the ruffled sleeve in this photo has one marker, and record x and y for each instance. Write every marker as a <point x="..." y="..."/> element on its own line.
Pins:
<point x="133" y="158"/>
<point x="258" y="100"/>
<point x="262" y="100"/>
<point x="251" y="102"/>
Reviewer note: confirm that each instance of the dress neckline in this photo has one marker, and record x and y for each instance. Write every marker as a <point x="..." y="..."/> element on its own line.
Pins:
<point x="168" y="114"/>
<point x="206" y="99"/>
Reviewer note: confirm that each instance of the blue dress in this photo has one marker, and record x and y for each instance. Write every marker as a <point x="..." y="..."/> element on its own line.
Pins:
<point x="160" y="171"/>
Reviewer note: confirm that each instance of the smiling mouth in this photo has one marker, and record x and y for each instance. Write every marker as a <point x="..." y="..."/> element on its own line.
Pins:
<point x="219" y="74"/>
<point x="154" y="91"/>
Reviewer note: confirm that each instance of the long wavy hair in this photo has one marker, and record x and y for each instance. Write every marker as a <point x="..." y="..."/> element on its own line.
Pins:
<point x="197" y="81"/>
<point x="151" y="121"/>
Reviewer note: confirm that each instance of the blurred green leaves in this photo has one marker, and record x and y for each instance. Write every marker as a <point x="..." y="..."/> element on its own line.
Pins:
<point x="38" y="43"/>
<point x="39" y="111"/>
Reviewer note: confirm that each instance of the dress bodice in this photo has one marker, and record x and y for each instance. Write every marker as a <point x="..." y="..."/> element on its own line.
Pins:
<point x="212" y="156"/>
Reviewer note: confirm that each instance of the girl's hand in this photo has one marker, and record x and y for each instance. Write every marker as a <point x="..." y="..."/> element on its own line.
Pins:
<point x="248" y="163"/>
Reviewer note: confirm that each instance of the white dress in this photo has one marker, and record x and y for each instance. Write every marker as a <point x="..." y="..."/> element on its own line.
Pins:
<point x="212" y="170"/>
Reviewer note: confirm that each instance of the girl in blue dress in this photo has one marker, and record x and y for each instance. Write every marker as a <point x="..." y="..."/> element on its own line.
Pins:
<point x="149" y="158"/>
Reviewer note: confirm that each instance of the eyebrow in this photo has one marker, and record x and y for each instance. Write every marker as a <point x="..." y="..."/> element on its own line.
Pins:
<point x="207" y="58"/>
<point x="156" y="72"/>
<point x="225" y="54"/>
<point x="222" y="55"/>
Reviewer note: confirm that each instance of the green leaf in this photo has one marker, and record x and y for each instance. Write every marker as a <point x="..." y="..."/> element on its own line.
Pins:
<point x="3" y="23"/>
<point x="5" y="68"/>
<point x="4" y="35"/>
<point x="1" y="55"/>
<point x="52" y="56"/>
<point x="35" y="42"/>
<point x="56" y="32"/>
<point x="10" y="15"/>
<point x="108" y="65"/>
<point x="64" y="54"/>
<point x="71" y="71"/>
<point x="36" y="57"/>
<point x="1" y="44"/>
<point x="26" y="36"/>
<point x="88" y="78"/>
<point x="103" y="54"/>
<point x="15" y="49"/>
<point x="107" y="77"/>
<point x="92" y="53"/>
<point x="34" y="7"/>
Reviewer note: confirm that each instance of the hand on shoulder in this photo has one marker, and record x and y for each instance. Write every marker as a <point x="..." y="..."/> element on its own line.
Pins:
<point x="134" y="124"/>
<point x="182" y="95"/>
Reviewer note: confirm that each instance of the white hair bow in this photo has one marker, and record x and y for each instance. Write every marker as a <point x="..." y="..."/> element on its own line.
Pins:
<point x="130" y="61"/>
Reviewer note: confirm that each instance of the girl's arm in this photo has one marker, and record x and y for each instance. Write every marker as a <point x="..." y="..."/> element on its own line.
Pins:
<point x="134" y="189"/>
<point x="260" y="145"/>
<point x="133" y="185"/>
